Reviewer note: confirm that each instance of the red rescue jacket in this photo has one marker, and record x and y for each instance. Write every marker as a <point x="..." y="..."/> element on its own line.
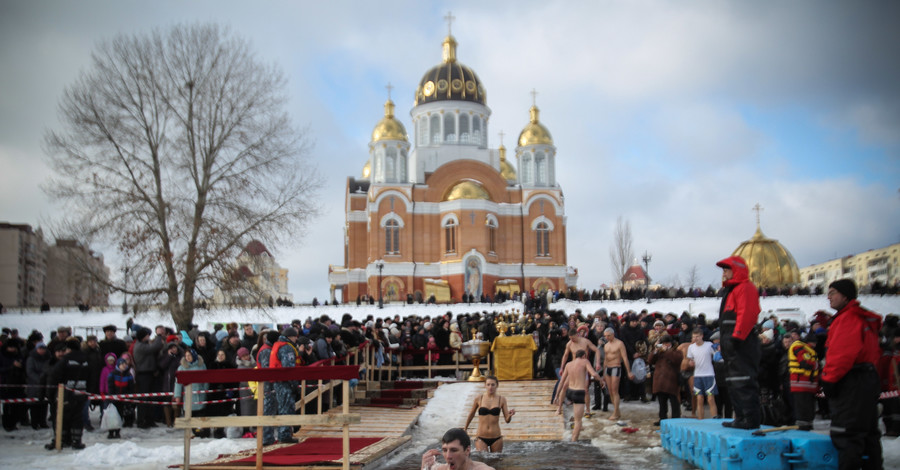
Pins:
<point x="743" y="299"/>
<point x="852" y="339"/>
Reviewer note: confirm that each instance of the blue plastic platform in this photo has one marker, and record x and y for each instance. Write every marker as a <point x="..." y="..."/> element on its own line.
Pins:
<point x="710" y="446"/>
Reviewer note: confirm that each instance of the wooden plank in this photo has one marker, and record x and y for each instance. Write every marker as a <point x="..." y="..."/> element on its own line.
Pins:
<point x="535" y="418"/>
<point x="280" y="420"/>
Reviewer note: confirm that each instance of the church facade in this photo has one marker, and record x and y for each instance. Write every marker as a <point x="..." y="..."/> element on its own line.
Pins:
<point x="438" y="212"/>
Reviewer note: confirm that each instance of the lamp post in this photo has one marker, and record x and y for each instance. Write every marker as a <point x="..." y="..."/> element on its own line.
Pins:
<point x="647" y="257"/>
<point x="380" y="265"/>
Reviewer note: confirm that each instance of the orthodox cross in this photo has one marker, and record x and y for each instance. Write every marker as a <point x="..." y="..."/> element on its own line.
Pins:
<point x="449" y="17"/>
<point x="757" y="208"/>
<point x="389" y="88"/>
<point x="472" y="217"/>
<point x="501" y="137"/>
<point x="534" y="94"/>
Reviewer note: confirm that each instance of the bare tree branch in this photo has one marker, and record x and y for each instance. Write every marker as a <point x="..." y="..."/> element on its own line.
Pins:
<point x="621" y="252"/>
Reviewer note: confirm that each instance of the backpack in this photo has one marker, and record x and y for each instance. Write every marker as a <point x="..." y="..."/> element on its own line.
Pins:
<point x="639" y="369"/>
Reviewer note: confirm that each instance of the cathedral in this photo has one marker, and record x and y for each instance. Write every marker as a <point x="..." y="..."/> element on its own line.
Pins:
<point x="440" y="213"/>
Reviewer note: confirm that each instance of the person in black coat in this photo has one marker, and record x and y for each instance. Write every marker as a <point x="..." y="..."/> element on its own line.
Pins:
<point x="12" y="372"/>
<point x="73" y="372"/>
<point x="111" y="343"/>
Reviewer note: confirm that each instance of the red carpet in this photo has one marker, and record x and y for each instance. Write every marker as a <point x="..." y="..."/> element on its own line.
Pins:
<point x="311" y="450"/>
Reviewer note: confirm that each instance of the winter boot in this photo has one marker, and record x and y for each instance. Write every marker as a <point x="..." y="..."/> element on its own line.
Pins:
<point x="169" y="414"/>
<point x="111" y="434"/>
<point x="76" y="439"/>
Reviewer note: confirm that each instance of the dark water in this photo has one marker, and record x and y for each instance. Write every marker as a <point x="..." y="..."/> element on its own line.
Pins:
<point x="552" y="455"/>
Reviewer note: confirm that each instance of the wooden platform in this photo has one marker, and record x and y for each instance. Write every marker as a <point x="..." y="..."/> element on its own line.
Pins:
<point x="535" y="418"/>
<point x="376" y="422"/>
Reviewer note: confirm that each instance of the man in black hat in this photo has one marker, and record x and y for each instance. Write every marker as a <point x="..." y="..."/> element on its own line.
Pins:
<point x="850" y="380"/>
<point x="111" y="343"/>
<point x="74" y="372"/>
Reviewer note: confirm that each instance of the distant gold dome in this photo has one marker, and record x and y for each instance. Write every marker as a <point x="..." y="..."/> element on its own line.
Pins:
<point x="770" y="263"/>
<point x="467" y="190"/>
<point x="535" y="133"/>
<point x="389" y="128"/>
<point x="506" y="169"/>
<point x="367" y="170"/>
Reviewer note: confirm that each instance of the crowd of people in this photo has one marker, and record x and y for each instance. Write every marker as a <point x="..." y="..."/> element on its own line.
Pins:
<point x="679" y="361"/>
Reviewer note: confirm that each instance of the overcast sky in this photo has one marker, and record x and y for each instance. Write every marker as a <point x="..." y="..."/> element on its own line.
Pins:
<point x="679" y="117"/>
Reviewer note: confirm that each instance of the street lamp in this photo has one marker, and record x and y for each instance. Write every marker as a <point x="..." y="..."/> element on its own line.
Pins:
<point x="380" y="265"/>
<point x="647" y="258"/>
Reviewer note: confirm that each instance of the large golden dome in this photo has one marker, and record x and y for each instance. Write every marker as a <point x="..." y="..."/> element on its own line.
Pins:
<point x="535" y="133"/>
<point x="770" y="263"/>
<point x="450" y="80"/>
<point x="467" y="189"/>
<point x="389" y="128"/>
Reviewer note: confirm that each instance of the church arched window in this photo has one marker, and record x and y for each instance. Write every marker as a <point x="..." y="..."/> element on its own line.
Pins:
<point x="422" y="132"/>
<point x="435" y="130"/>
<point x="390" y="166"/>
<point x="526" y="167"/>
<point x="542" y="234"/>
<point x="540" y="167"/>
<point x="391" y="237"/>
<point x="464" y="129"/>
<point x="449" y="127"/>
<point x="476" y="130"/>
<point x="402" y="166"/>
<point x="492" y="235"/>
<point x="450" y="232"/>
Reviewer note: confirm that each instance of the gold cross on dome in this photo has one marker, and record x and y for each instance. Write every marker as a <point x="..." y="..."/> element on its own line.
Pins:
<point x="534" y="94"/>
<point x="501" y="137"/>
<point x="449" y="17"/>
<point x="757" y="208"/>
<point x="389" y="88"/>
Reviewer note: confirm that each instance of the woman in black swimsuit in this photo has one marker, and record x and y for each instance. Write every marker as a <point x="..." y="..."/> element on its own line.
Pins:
<point x="489" y="405"/>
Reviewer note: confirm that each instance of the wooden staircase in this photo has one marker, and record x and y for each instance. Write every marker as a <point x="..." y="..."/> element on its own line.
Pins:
<point x="395" y="393"/>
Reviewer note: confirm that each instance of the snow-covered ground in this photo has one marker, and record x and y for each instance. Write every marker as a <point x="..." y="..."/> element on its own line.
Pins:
<point x="158" y="448"/>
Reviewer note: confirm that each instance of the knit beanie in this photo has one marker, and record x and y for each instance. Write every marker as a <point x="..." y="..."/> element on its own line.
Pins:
<point x="846" y="287"/>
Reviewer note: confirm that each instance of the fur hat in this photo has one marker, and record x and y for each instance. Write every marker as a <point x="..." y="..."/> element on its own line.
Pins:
<point x="109" y="328"/>
<point x="846" y="287"/>
<point x="142" y="333"/>
<point x="288" y="332"/>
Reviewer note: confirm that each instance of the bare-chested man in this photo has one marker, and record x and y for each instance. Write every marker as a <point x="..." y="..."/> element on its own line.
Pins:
<point x="456" y="447"/>
<point x="575" y="381"/>
<point x="616" y="358"/>
<point x="579" y="342"/>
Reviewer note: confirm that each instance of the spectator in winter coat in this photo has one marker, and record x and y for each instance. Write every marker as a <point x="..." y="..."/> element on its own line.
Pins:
<point x="36" y="366"/>
<point x="205" y="347"/>
<point x="145" y="365"/>
<point x="283" y="354"/>
<point x="169" y="360"/>
<point x="248" y="403"/>
<point x="804" y="369"/>
<point x="251" y="337"/>
<point x="72" y="371"/>
<point x="95" y="363"/>
<point x="192" y="361"/>
<point x="12" y="372"/>
<point x="119" y="381"/>
<point x="221" y="391"/>
<point x="111" y="343"/>
<point x="667" y="361"/>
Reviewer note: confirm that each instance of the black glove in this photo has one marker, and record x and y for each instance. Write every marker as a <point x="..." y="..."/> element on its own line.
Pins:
<point x="830" y="389"/>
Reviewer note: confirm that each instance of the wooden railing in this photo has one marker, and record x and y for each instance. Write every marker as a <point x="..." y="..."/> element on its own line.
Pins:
<point x="302" y="374"/>
<point x="429" y="367"/>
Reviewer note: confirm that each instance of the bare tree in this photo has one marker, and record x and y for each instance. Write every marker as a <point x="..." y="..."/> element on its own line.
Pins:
<point x="693" y="276"/>
<point x="176" y="148"/>
<point x="621" y="252"/>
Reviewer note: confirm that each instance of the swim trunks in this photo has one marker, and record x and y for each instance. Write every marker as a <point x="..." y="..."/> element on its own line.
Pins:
<point x="614" y="371"/>
<point x="575" y="396"/>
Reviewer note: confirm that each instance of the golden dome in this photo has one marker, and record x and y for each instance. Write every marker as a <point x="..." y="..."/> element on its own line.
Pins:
<point x="535" y="133"/>
<point x="367" y="170"/>
<point x="506" y="169"/>
<point x="389" y="128"/>
<point x="770" y="263"/>
<point x="467" y="190"/>
<point x="450" y="80"/>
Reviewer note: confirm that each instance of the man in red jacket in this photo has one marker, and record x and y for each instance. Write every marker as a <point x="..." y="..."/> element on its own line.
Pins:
<point x="740" y="342"/>
<point x="850" y="380"/>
